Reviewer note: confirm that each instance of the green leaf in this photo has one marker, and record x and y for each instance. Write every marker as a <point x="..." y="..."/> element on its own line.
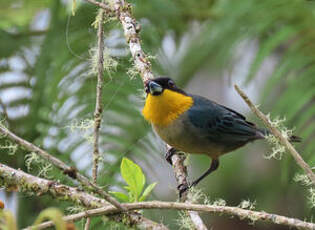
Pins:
<point x="133" y="176"/>
<point x="147" y="191"/>
<point x="53" y="214"/>
<point x="120" y="196"/>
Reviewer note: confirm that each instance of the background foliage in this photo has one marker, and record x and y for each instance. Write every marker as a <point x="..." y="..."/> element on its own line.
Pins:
<point x="47" y="88"/>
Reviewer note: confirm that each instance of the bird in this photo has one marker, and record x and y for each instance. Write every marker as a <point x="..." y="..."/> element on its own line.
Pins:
<point x="196" y="125"/>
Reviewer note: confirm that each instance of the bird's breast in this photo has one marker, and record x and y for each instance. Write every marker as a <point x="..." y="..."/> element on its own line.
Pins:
<point x="164" y="109"/>
<point x="183" y="136"/>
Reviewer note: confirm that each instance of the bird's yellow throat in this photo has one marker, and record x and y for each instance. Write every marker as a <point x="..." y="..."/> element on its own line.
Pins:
<point x="165" y="108"/>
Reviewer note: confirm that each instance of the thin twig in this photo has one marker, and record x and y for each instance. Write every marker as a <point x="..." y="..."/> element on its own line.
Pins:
<point x="98" y="104"/>
<point x="180" y="171"/>
<point x="213" y="209"/>
<point x="87" y="223"/>
<point x="70" y="171"/>
<point x="99" y="87"/>
<point x="299" y="160"/>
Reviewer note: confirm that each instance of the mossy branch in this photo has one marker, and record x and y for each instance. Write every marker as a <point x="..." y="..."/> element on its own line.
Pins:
<point x="243" y="214"/>
<point x="98" y="104"/>
<point x="70" y="171"/>
<point x="23" y="182"/>
<point x="99" y="87"/>
<point x="297" y="157"/>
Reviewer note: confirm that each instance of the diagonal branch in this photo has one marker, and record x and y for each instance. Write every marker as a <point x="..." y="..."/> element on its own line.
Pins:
<point x="23" y="182"/>
<point x="70" y="171"/>
<point x="297" y="157"/>
<point x="131" y="31"/>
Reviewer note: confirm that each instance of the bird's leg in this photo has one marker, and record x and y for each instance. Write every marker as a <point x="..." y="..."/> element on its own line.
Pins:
<point x="214" y="165"/>
<point x="168" y="155"/>
<point x="183" y="188"/>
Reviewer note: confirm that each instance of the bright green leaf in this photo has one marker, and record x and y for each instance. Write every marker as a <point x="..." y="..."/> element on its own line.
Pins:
<point x="120" y="196"/>
<point x="133" y="176"/>
<point x="147" y="191"/>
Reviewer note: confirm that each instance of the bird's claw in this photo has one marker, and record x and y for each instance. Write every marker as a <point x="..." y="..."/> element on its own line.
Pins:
<point x="168" y="155"/>
<point x="182" y="188"/>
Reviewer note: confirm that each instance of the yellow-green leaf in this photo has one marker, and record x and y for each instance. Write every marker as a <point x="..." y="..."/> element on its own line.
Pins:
<point x="147" y="191"/>
<point x="120" y="196"/>
<point x="54" y="215"/>
<point x="133" y="176"/>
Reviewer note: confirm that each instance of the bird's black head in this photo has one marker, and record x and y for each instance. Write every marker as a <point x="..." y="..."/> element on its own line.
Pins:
<point x="156" y="86"/>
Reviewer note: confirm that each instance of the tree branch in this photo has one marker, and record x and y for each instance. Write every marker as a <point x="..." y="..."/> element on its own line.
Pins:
<point x="70" y="171"/>
<point x="18" y="180"/>
<point x="131" y="29"/>
<point x="180" y="171"/>
<point x="98" y="104"/>
<point x="99" y="87"/>
<point x="21" y="181"/>
<point x="297" y="157"/>
<point x="213" y="209"/>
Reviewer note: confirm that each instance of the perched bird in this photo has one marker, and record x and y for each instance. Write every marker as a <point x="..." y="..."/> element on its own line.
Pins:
<point x="194" y="124"/>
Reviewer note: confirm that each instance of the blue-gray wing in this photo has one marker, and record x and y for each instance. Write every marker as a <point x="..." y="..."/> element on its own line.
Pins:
<point x="221" y="124"/>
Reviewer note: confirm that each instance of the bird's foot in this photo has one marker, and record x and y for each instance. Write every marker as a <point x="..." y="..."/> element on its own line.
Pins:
<point x="168" y="155"/>
<point x="182" y="188"/>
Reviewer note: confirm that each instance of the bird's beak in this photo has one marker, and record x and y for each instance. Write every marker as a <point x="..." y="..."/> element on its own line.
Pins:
<point x="154" y="88"/>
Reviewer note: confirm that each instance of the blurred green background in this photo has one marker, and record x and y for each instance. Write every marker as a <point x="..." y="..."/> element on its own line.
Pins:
<point x="47" y="88"/>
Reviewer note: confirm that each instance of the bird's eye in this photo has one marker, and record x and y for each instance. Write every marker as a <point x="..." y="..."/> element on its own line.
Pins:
<point x="171" y="84"/>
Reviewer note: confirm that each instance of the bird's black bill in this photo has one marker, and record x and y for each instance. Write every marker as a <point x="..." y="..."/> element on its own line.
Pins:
<point x="154" y="88"/>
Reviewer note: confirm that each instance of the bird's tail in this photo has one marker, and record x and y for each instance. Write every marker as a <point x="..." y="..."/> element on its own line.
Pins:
<point x="266" y="132"/>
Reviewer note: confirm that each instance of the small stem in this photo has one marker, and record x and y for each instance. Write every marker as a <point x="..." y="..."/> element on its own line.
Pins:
<point x="87" y="223"/>
<point x="299" y="160"/>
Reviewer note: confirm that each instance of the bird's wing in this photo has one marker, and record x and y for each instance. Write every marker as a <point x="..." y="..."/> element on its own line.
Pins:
<point x="220" y="123"/>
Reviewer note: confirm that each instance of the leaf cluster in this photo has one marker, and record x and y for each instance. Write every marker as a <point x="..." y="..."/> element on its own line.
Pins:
<point x="135" y="179"/>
